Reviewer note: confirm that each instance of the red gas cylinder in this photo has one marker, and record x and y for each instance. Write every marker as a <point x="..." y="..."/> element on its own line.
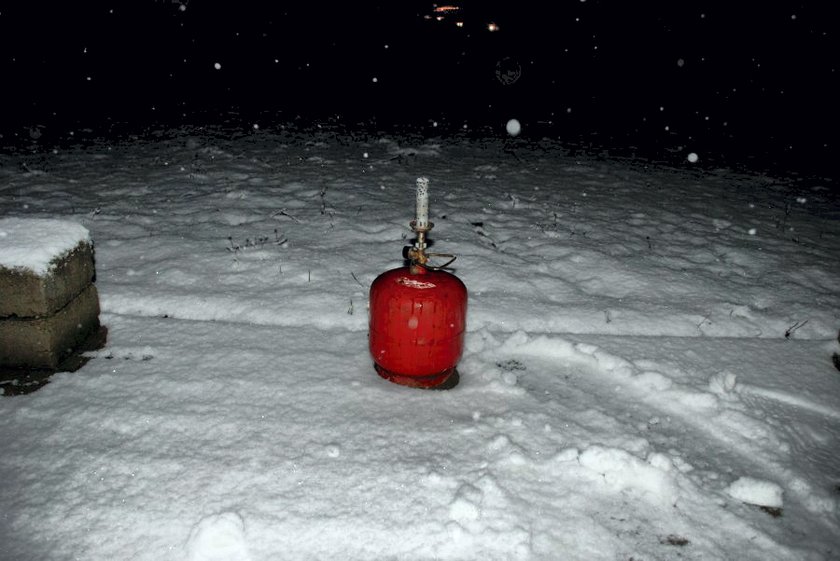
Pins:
<point x="417" y="325"/>
<point x="418" y="314"/>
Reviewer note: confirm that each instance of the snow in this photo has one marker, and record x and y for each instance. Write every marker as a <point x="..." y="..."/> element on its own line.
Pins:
<point x="34" y="244"/>
<point x="756" y="492"/>
<point x="513" y="127"/>
<point x="218" y="537"/>
<point x="648" y="356"/>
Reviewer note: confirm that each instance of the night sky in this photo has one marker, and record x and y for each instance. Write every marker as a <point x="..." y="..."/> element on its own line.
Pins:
<point x="734" y="82"/>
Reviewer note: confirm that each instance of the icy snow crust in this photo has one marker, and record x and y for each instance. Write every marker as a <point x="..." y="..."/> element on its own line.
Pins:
<point x="627" y="391"/>
<point x="35" y="244"/>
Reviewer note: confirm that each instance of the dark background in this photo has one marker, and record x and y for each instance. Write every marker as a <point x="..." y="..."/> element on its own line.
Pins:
<point x="734" y="82"/>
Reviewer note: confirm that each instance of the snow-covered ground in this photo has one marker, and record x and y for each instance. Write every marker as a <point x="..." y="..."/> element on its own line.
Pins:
<point x="647" y="375"/>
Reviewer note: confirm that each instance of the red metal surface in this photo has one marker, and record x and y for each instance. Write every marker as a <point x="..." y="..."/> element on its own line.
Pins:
<point x="417" y="324"/>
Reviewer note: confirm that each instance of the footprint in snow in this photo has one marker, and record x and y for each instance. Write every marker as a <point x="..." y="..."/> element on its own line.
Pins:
<point x="219" y="537"/>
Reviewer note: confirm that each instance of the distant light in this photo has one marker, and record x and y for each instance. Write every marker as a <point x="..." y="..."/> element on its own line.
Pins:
<point x="439" y="18"/>
<point x="217" y="66"/>
<point x="492" y="27"/>
<point x="693" y="158"/>
<point x="446" y="9"/>
<point x="459" y="23"/>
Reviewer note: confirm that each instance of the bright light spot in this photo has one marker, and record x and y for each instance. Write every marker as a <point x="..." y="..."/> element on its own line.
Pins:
<point x="256" y="127"/>
<point x="375" y="79"/>
<point x="513" y="127"/>
<point x="88" y="78"/>
<point x="217" y="66"/>
<point x="365" y="155"/>
<point x="801" y="200"/>
<point x="492" y="27"/>
<point x="793" y="16"/>
<point x="680" y="62"/>
<point x="459" y="23"/>
<point x="386" y="46"/>
<point x="182" y="7"/>
<point x="693" y="158"/>
<point x="752" y="231"/>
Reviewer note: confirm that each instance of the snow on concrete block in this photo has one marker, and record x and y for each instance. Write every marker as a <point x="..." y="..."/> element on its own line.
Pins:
<point x="44" y="342"/>
<point x="44" y="264"/>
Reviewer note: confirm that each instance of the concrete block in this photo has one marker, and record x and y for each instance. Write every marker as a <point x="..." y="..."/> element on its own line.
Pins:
<point x="43" y="342"/>
<point x="27" y="294"/>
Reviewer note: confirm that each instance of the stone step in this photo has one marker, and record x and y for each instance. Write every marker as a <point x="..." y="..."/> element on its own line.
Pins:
<point x="43" y="342"/>
<point x="27" y="291"/>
